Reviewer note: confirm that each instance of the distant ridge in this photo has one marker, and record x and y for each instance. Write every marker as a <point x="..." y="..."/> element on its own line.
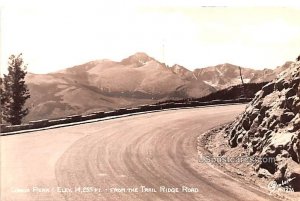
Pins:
<point x="135" y="80"/>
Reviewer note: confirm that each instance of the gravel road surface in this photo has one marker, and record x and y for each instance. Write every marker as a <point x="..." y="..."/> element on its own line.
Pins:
<point x="142" y="157"/>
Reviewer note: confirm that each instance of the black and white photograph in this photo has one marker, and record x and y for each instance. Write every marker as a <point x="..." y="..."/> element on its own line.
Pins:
<point x="161" y="100"/>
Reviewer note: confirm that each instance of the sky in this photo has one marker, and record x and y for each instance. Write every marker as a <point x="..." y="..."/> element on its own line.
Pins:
<point x="57" y="34"/>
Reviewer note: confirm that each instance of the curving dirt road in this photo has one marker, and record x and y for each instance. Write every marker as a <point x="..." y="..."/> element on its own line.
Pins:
<point x="154" y="150"/>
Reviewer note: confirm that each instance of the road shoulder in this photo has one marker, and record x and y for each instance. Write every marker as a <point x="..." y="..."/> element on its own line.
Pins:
<point x="213" y="146"/>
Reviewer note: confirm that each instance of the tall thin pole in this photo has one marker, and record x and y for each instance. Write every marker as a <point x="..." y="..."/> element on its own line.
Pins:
<point x="243" y="90"/>
<point x="241" y="75"/>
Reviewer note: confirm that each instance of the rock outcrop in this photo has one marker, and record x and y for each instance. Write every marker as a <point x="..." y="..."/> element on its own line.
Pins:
<point x="270" y="128"/>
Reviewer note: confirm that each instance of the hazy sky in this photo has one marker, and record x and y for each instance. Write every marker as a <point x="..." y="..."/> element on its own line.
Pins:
<point x="57" y="34"/>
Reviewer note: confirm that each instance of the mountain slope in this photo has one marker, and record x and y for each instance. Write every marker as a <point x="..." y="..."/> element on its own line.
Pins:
<point x="138" y="79"/>
<point x="105" y="85"/>
<point x="138" y="75"/>
<point x="225" y="75"/>
<point x="56" y="96"/>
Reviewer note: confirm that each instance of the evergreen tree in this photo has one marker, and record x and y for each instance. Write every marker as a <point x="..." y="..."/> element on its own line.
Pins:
<point x="15" y="90"/>
<point x="3" y="99"/>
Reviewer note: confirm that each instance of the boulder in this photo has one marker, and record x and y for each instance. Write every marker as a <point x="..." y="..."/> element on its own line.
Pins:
<point x="267" y="89"/>
<point x="263" y="173"/>
<point x="270" y="127"/>
<point x="286" y="117"/>
<point x="290" y="92"/>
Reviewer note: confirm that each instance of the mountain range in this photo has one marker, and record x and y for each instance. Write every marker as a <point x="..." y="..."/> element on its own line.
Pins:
<point x="136" y="80"/>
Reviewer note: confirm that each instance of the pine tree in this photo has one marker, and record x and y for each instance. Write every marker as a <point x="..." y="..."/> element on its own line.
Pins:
<point x="3" y="99"/>
<point x="15" y="90"/>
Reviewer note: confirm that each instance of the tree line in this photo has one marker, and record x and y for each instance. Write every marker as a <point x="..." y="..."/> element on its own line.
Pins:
<point x="14" y="91"/>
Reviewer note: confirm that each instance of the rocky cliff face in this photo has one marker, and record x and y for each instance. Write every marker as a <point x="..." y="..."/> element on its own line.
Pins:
<point x="270" y="128"/>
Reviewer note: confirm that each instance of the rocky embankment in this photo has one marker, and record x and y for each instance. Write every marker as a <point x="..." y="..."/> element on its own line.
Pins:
<point x="270" y="128"/>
